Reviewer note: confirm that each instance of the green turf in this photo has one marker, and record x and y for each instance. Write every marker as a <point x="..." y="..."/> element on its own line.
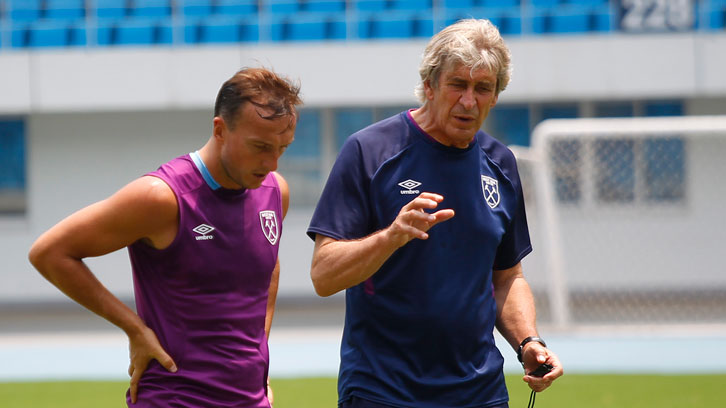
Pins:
<point x="571" y="391"/>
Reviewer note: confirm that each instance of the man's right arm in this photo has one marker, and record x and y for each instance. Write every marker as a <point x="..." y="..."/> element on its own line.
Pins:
<point x="339" y="264"/>
<point x="145" y="209"/>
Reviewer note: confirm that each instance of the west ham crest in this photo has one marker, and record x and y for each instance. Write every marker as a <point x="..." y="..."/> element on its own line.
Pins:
<point x="490" y="188"/>
<point x="268" y="222"/>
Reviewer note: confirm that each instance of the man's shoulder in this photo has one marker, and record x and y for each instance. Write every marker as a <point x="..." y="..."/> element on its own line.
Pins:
<point x="386" y="129"/>
<point x="179" y="173"/>
<point x="382" y="139"/>
<point x="495" y="150"/>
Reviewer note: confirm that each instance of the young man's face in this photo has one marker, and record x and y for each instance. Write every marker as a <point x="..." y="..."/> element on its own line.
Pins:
<point x="460" y="103"/>
<point x="252" y="145"/>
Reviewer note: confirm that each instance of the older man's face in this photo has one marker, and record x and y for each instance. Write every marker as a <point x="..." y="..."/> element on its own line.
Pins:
<point x="460" y="103"/>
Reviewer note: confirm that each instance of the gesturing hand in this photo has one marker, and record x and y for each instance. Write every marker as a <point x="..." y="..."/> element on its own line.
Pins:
<point x="413" y="222"/>
<point x="144" y="347"/>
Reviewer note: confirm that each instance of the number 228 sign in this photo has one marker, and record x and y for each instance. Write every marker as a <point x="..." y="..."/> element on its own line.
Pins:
<point x="657" y="15"/>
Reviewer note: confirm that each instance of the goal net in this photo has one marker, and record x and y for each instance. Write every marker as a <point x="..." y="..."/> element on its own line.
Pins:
<point x="628" y="220"/>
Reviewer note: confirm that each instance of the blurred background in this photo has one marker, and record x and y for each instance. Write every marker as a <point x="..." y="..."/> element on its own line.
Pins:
<point x="626" y="214"/>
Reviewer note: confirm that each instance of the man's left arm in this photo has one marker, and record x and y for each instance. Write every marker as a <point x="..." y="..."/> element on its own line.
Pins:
<point x="516" y="321"/>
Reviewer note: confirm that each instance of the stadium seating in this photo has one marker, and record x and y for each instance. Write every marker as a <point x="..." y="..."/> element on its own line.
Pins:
<point x="25" y="10"/>
<point x="507" y="23"/>
<point x="301" y="29"/>
<point x="371" y="5"/>
<point x="717" y="18"/>
<point x="111" y="8"/>
<point x="197" y="8"/>
<point x="221" y="30"/>
<point x="42" y="23"/>
<point x="396" y="25"/>
<point x="48" y="34"/>
<point x="149" y="8"/>
<point x="65" y="10"/>
<point x="323" y="6"/>
<point x="134" y="32"/>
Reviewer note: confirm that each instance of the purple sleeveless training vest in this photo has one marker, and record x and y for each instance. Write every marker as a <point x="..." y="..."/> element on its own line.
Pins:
<point x="205" y="296"/>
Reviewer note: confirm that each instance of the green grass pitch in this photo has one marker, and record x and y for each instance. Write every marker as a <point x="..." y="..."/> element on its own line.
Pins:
<point x="570" y="391"/>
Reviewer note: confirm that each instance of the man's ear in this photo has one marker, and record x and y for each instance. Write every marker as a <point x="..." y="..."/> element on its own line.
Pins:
<point x="428" y="90"/>
<point x="219" y="128"/>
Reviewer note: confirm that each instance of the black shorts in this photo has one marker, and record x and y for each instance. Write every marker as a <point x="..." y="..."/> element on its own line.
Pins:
<point x="357" y="402"/>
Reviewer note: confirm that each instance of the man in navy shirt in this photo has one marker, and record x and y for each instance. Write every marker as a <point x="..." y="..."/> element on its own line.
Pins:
<point x="422" y="222"/>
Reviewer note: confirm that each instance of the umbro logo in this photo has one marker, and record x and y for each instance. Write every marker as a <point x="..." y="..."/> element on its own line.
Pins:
<point x="409" y="186"/>
<point x="203" y="230"/>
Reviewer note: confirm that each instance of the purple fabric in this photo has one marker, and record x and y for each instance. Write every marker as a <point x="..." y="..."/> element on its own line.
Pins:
<point x="205" y="296"/>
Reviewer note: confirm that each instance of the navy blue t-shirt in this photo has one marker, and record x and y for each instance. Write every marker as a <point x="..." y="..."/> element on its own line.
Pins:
<point x="419" y="332"/>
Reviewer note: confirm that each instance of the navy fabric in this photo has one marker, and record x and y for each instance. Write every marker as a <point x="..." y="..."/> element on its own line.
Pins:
<point x="355" y="402"/>
<point x="419" y="332"/>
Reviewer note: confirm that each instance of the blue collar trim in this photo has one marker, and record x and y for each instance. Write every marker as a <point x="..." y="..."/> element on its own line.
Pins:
<point x="203" y="169"/>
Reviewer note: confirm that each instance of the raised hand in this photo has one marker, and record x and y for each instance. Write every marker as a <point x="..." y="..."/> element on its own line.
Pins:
<point x="414" y="222"/>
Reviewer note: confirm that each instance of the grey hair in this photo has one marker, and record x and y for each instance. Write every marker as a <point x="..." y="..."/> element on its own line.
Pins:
<point x="473" y="43"/>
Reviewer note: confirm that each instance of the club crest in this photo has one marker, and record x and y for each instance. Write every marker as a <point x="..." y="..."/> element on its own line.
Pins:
<point x="490" y="188"/>
<point x="268" y="222"/>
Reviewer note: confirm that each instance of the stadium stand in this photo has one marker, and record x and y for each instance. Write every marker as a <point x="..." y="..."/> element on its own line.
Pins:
<point x="134" y="32"/>
<point x="213" y="29"/>
<point x="68" y="23"/>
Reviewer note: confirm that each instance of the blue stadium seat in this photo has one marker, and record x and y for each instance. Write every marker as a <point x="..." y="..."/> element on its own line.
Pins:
<point x="410" y="4"/>
<point x="25" y="10"/>
<point x="323" y="6"/>
<point x="459" y="4"/>
<point x="150" y="8"/>
<point x="499" y="3"/>
<point x="545" y="3"/>
<point x="134" y="32"/>
<point x="588" y="3"/>
<point x="235" y="7"/>
<point x="308" y="29"/>
<point x="397" y="26"/>
<point x="717" y="19"/>
<point x="197" y="8"/>
<point x="507" y="23"/>
<point x="221" y="30"/>
<point x="111" y="8"/>
<point x="568" y="23"/>
<point x="560" y="23"/>
<point x="48" y="34"/>
<point x="64" y="10"/>
<point x="371" y="5"/>
<point x="284" y="6"/>
<point x="600" y="21"/>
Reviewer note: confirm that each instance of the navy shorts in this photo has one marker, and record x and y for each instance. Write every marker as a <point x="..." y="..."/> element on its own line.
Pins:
<point x="357" y="402"/>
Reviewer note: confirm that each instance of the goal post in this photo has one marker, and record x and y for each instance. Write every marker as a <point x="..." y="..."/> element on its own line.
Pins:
<point x="628" y="220"/>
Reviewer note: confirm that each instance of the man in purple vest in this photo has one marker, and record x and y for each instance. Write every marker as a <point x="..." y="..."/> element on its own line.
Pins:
<point x="203" y="233"/>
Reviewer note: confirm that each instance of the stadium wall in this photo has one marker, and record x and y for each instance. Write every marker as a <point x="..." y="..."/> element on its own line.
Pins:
<point x="545" y="69"/>
<point x="98" y="118"/>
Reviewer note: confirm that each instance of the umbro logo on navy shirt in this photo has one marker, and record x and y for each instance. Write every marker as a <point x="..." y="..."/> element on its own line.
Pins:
<point x="490" y="188"/>
<point x="203" y="230"/>
<point x="409" y="186"/>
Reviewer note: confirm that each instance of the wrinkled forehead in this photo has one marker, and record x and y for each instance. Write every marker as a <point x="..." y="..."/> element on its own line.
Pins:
<point x="467" y="72"/>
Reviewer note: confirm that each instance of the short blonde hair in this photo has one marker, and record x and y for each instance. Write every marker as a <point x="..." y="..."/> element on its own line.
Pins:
<point x="470" y="42"/>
